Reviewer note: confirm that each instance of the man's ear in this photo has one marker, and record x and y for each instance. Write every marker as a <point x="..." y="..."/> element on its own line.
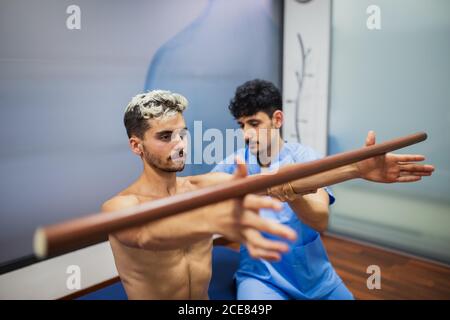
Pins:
<point x="277" y="119"/>
<point x="136" y="145"/>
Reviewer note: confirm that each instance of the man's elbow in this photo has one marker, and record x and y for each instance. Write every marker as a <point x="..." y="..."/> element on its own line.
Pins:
<point x="322" y="224"/>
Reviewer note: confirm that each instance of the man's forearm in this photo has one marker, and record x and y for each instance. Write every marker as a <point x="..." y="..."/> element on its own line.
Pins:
<point x="326" y="178"/>
<point x="312" y="208"/>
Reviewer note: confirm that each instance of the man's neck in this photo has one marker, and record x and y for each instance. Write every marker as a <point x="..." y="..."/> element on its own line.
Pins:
<point x="155" y="181"/>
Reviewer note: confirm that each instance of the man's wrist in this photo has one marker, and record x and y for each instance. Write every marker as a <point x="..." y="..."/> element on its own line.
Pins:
<point x="354" y="171"/>
<point x="284" y="192"/>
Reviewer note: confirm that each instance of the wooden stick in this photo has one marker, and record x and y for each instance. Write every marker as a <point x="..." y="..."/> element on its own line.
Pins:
<point x="81" y="232"/>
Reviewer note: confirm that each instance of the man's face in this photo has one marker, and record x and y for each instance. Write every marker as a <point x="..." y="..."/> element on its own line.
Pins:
<point x="164" y="144"/>
<point x="259" y="132"/>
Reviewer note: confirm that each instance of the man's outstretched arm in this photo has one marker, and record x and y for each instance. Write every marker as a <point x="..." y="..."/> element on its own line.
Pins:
<point x="312" y="208"/>
<point x="236" y="219"/>
<point x="387" y="168"/>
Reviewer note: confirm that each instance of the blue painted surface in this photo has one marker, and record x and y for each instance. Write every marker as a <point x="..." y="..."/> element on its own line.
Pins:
<point x="231" y="42"/>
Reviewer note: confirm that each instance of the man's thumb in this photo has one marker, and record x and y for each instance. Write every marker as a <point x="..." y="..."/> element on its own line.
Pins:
<point x="241" y="168"/>
<point x="370" y="140"/>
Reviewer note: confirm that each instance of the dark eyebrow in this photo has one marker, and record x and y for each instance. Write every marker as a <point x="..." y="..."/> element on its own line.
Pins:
<point x="169" y="131"/>
<point x="164" y="132"/>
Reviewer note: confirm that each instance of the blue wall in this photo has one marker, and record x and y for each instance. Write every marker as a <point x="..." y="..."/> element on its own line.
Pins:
<point x="63" y="93"/>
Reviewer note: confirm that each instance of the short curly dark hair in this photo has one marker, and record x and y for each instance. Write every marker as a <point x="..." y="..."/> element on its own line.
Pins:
<point x="254" y="96"/>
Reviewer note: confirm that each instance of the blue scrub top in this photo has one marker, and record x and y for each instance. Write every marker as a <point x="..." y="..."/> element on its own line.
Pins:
<point x="304" y="272"/>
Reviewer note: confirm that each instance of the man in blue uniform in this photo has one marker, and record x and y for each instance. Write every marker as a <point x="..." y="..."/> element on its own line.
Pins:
<point x="305" y="271"/>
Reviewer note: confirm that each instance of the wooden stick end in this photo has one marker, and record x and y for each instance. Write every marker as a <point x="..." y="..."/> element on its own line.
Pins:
<point x="40" y="243"/>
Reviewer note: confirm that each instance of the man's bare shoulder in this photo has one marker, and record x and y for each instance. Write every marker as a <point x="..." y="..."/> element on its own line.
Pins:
<point x="209" y="179"/>
<point x="121" y="201"/>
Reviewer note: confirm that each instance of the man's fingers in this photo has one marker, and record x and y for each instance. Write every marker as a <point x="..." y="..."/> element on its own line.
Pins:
<point x="258" y="253"/>
<point x="415" y="173"/>
<point x="254" y="202"/>
<point x="408" y="179"/>
<point x="241" y="168"/>
<point x="255" y="238"/>
<point x="416" y="167"/>
<point x="421" y="173"/>
<point x="408" y="157"/>
<point x="277" y="229"/>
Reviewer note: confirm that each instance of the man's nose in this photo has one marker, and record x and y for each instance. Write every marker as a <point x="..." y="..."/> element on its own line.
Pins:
<point x="249" y="133"/>
<point x="179" y="142"/>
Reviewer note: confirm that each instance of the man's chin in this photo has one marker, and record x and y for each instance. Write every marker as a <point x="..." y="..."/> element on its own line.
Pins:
<point x="173" y="166"/>
<point x="176" y="167"/>
<point x="172" y="169"/>
<point x="180" y="168"/>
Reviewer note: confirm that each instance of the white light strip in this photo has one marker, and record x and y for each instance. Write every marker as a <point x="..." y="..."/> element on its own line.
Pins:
<point x="48" y="279"/>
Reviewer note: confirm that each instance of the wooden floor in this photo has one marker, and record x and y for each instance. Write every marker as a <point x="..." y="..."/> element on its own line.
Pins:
<point x="402" y="277"/>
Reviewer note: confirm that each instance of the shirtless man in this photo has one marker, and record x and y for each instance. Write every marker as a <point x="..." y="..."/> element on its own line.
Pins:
<point x="171" y="258"/>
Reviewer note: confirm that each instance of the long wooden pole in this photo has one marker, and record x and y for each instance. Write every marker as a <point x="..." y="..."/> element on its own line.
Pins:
<point x="81" y="232"/>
